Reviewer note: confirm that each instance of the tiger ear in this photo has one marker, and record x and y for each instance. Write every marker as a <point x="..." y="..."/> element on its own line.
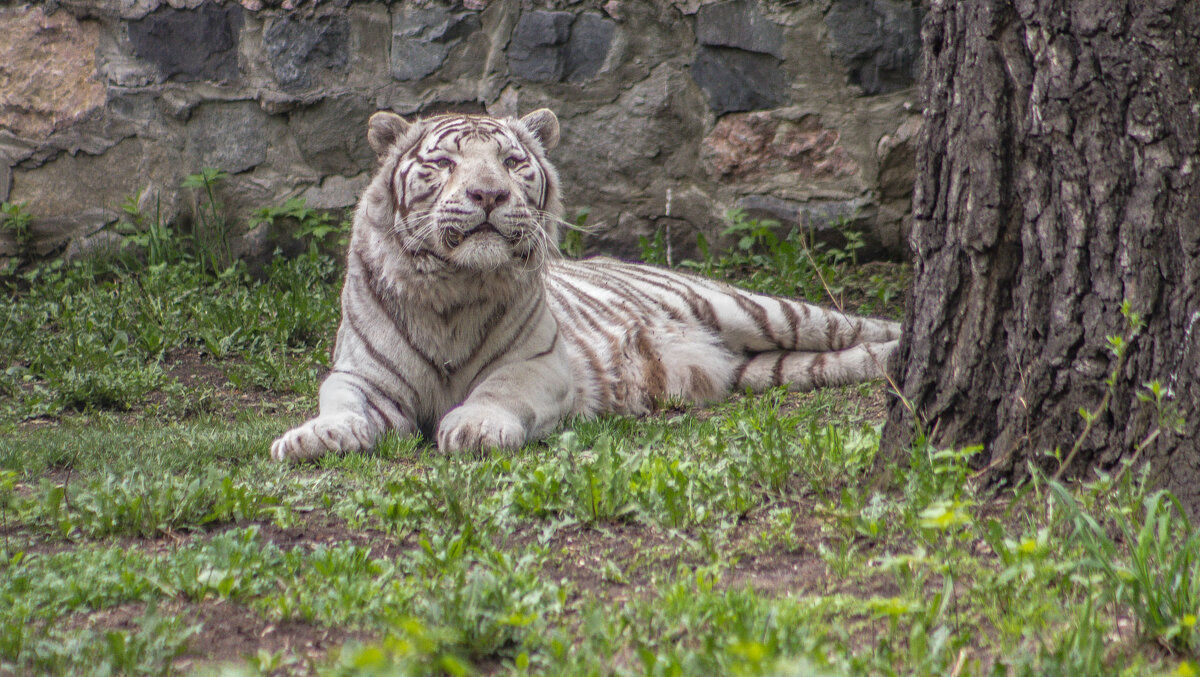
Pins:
<point x="544" y="126"/>
<point x="384" y="129"/>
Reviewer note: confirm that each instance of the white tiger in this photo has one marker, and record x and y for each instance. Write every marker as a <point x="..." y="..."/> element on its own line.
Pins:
<point x="460" y="322"/>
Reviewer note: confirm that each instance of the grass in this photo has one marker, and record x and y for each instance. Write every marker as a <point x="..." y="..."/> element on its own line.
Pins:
<point x="144" y="530"/>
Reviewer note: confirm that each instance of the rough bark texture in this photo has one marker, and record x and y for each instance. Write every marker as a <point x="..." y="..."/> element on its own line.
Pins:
<point x="1057" y="176"/>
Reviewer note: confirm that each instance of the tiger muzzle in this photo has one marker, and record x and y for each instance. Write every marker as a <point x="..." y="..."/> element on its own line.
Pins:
<point x="453" y="237"/>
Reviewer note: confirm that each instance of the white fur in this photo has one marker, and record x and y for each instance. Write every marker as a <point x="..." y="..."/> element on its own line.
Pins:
<point x="460" y="322"/>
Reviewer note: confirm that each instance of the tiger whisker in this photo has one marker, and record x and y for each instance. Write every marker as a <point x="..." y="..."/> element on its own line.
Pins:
<point x="585" y="229"/>
<point x="419" y="229"/>
<point x="414" y="221"/>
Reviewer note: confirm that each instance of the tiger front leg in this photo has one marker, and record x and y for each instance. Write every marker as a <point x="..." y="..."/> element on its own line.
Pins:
<point x="516" y="403"/>
<point x="350" y="420"/>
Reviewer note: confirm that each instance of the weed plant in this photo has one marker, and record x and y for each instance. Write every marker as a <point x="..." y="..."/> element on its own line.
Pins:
<point x="16" y="220"/>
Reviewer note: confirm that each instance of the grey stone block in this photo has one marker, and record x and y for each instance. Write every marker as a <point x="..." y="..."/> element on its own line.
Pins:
<point x="423" y="38"/>
<point x="740" y="24"/>
<point x="227" y="136"/>
<point x="880" y="41"/>
<point x="332" y="135"/>
<point x="336" y="192"/>
<point x="190" y="44"/>
<point x="299" y="48"/>
<point x="535" y="51"/>
<point x="96" y="244"/>
<point x="49" y="234"/>
<point x="587" y="48"/>
<point x="737" y="80"/>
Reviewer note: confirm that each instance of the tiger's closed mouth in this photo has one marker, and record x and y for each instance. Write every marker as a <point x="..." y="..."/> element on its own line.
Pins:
<point x="453" y="237"/>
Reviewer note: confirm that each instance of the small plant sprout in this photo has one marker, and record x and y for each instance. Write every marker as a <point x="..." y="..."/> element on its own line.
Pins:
<point x="316" y="227"/>
<point x="212" y="230"/>
<point x="15" y="219"/>
<point x="150" y="233"/>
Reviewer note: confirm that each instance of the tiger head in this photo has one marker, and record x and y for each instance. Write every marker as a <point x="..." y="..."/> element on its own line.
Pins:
<point x="473" y="192"/>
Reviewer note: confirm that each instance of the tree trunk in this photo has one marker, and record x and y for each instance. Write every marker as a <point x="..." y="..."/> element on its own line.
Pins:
<point x="1057" y="176"/>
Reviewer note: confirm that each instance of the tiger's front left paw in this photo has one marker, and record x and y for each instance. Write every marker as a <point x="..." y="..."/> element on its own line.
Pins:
<point x="338" y="433"/>
<point x="475" y="428"/>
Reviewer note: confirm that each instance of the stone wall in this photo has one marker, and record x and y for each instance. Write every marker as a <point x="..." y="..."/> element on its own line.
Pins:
<point x="671" y="112"/>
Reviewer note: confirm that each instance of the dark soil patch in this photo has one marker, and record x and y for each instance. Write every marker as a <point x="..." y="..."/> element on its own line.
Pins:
<point x="229" y="632"/>
<point x="201" y="373"/>
<point x="318" y="528"/>
<point x="780" y="573"/>
<point x="780" y="570"/>
<point x="798" y="569"/>
<point x="194" y="369"/>
<point x="613" y="563"/>
<point x="610" y="561"/>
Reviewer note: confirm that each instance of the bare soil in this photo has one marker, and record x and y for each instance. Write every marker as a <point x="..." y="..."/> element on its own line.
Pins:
<point x="228" y="633"/>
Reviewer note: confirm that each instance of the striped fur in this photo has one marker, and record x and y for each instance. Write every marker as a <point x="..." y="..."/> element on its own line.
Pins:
<point x="459" y="320"/>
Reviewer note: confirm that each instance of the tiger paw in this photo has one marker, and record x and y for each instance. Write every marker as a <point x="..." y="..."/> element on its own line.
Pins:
<point x="475" y="428"/>
<point x="337" y="433"/>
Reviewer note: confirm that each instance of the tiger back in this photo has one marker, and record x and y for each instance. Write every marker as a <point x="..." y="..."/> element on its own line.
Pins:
<point x="461" y="322"/>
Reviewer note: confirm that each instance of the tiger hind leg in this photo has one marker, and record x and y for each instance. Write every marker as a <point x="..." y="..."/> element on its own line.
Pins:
<point x="801" y="370"/>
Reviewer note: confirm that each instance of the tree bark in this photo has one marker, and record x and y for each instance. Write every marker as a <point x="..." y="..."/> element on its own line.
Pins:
<point x="1057" y="176"/>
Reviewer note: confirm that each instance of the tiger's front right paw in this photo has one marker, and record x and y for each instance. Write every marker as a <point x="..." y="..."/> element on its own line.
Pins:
<point x="337" y="433"/>
<point x="473" y="427"/>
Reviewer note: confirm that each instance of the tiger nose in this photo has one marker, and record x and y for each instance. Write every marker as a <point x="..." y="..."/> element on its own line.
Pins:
<point x="488" y="199"/>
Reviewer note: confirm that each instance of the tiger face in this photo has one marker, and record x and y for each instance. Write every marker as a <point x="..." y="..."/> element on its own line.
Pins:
<point x="475" y="193"/>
